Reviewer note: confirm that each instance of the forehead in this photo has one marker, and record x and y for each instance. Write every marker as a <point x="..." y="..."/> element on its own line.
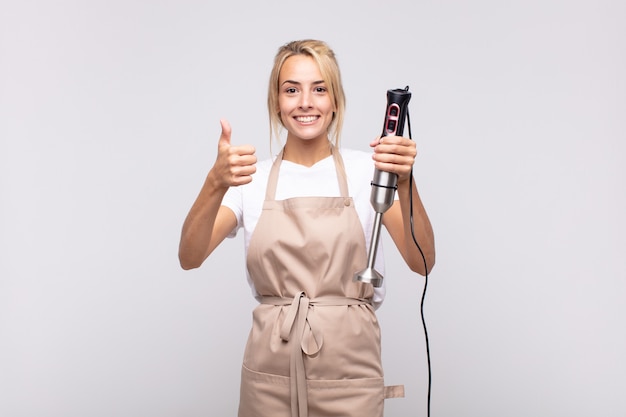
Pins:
<point x="300" y="68"/>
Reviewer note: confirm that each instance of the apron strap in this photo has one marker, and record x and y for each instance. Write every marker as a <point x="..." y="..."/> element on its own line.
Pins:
<point x="308" y="340"/>
<point x="394" y="391"/>
<point x="341" y="172"/>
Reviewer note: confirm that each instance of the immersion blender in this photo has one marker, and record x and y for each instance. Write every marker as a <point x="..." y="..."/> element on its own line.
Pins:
<point x="385" y="184"/>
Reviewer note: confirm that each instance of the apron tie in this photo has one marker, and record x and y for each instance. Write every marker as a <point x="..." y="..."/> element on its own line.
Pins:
<point x="308" y="339"/>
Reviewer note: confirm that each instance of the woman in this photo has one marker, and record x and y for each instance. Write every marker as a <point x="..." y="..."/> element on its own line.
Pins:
<point x="314" y="347"/>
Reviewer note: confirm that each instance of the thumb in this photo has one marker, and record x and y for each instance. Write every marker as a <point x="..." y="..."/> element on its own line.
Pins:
<point x="226" y="131"/>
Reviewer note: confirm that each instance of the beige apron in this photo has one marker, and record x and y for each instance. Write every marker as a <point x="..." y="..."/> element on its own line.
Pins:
<point x="314" y="346"/>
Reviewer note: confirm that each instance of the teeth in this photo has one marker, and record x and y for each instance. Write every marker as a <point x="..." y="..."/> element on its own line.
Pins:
<point x="306" y="119"/>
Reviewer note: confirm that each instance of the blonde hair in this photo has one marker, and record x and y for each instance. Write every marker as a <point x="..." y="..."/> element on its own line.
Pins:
<point x="327" y="63"/>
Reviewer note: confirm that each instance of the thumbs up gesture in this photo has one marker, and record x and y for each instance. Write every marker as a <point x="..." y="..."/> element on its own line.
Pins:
<point x="234" y="165"/>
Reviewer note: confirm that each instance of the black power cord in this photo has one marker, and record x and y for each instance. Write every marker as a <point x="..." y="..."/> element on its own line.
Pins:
<point x="425" y="277"/>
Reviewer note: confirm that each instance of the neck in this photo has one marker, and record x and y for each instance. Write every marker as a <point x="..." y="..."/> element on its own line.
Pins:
<point x="308" y="152"/>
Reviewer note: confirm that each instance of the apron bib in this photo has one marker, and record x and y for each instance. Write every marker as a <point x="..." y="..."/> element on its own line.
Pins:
<point x="314" y="346"/>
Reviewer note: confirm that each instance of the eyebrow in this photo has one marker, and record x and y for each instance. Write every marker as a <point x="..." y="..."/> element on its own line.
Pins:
<point x="299" y="83"/>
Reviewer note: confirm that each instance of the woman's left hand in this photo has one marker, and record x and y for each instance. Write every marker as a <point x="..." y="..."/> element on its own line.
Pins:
<point x="394" y="154"/>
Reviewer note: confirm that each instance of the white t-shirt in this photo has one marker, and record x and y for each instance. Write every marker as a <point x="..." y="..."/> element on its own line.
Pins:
<point x="296" y="180"/>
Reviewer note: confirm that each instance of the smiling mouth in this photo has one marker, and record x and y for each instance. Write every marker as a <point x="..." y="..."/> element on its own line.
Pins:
<point x="306" y="119"/>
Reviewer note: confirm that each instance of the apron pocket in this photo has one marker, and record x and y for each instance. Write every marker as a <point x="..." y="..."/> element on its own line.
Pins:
<point x="347" y="397"/>
<point x="268" y="395"/>
<point x="264" y="395"/>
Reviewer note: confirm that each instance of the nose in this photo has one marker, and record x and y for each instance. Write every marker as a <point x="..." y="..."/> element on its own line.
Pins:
<point x="306" y="101"/>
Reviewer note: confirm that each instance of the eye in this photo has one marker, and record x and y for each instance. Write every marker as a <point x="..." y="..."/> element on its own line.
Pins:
<point x="321" y="89"/>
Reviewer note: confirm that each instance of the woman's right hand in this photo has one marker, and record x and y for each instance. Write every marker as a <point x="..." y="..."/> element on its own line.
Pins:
<point x="234" y="165"/>
<point x="208" y="223"/>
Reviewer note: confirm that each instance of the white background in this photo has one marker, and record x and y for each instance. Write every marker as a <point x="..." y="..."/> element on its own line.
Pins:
<point x="109" y="120"/>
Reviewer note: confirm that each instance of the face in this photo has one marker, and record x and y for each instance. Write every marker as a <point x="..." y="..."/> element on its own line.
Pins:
<point x="306" y="108"/>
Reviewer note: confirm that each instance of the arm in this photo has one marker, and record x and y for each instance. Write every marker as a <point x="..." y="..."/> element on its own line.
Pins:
<point x="208" y="222"/>
<point x="397" y="155"/>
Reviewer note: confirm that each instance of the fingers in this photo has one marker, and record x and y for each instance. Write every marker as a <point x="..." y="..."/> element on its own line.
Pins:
<point x="394" y="154"/>
<point x="235" y="164"/>
<point x="226" y="132"/>
<point x="224" y="143"/>
<point x="375" y="142"/>
<point x="242" y="164"/>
